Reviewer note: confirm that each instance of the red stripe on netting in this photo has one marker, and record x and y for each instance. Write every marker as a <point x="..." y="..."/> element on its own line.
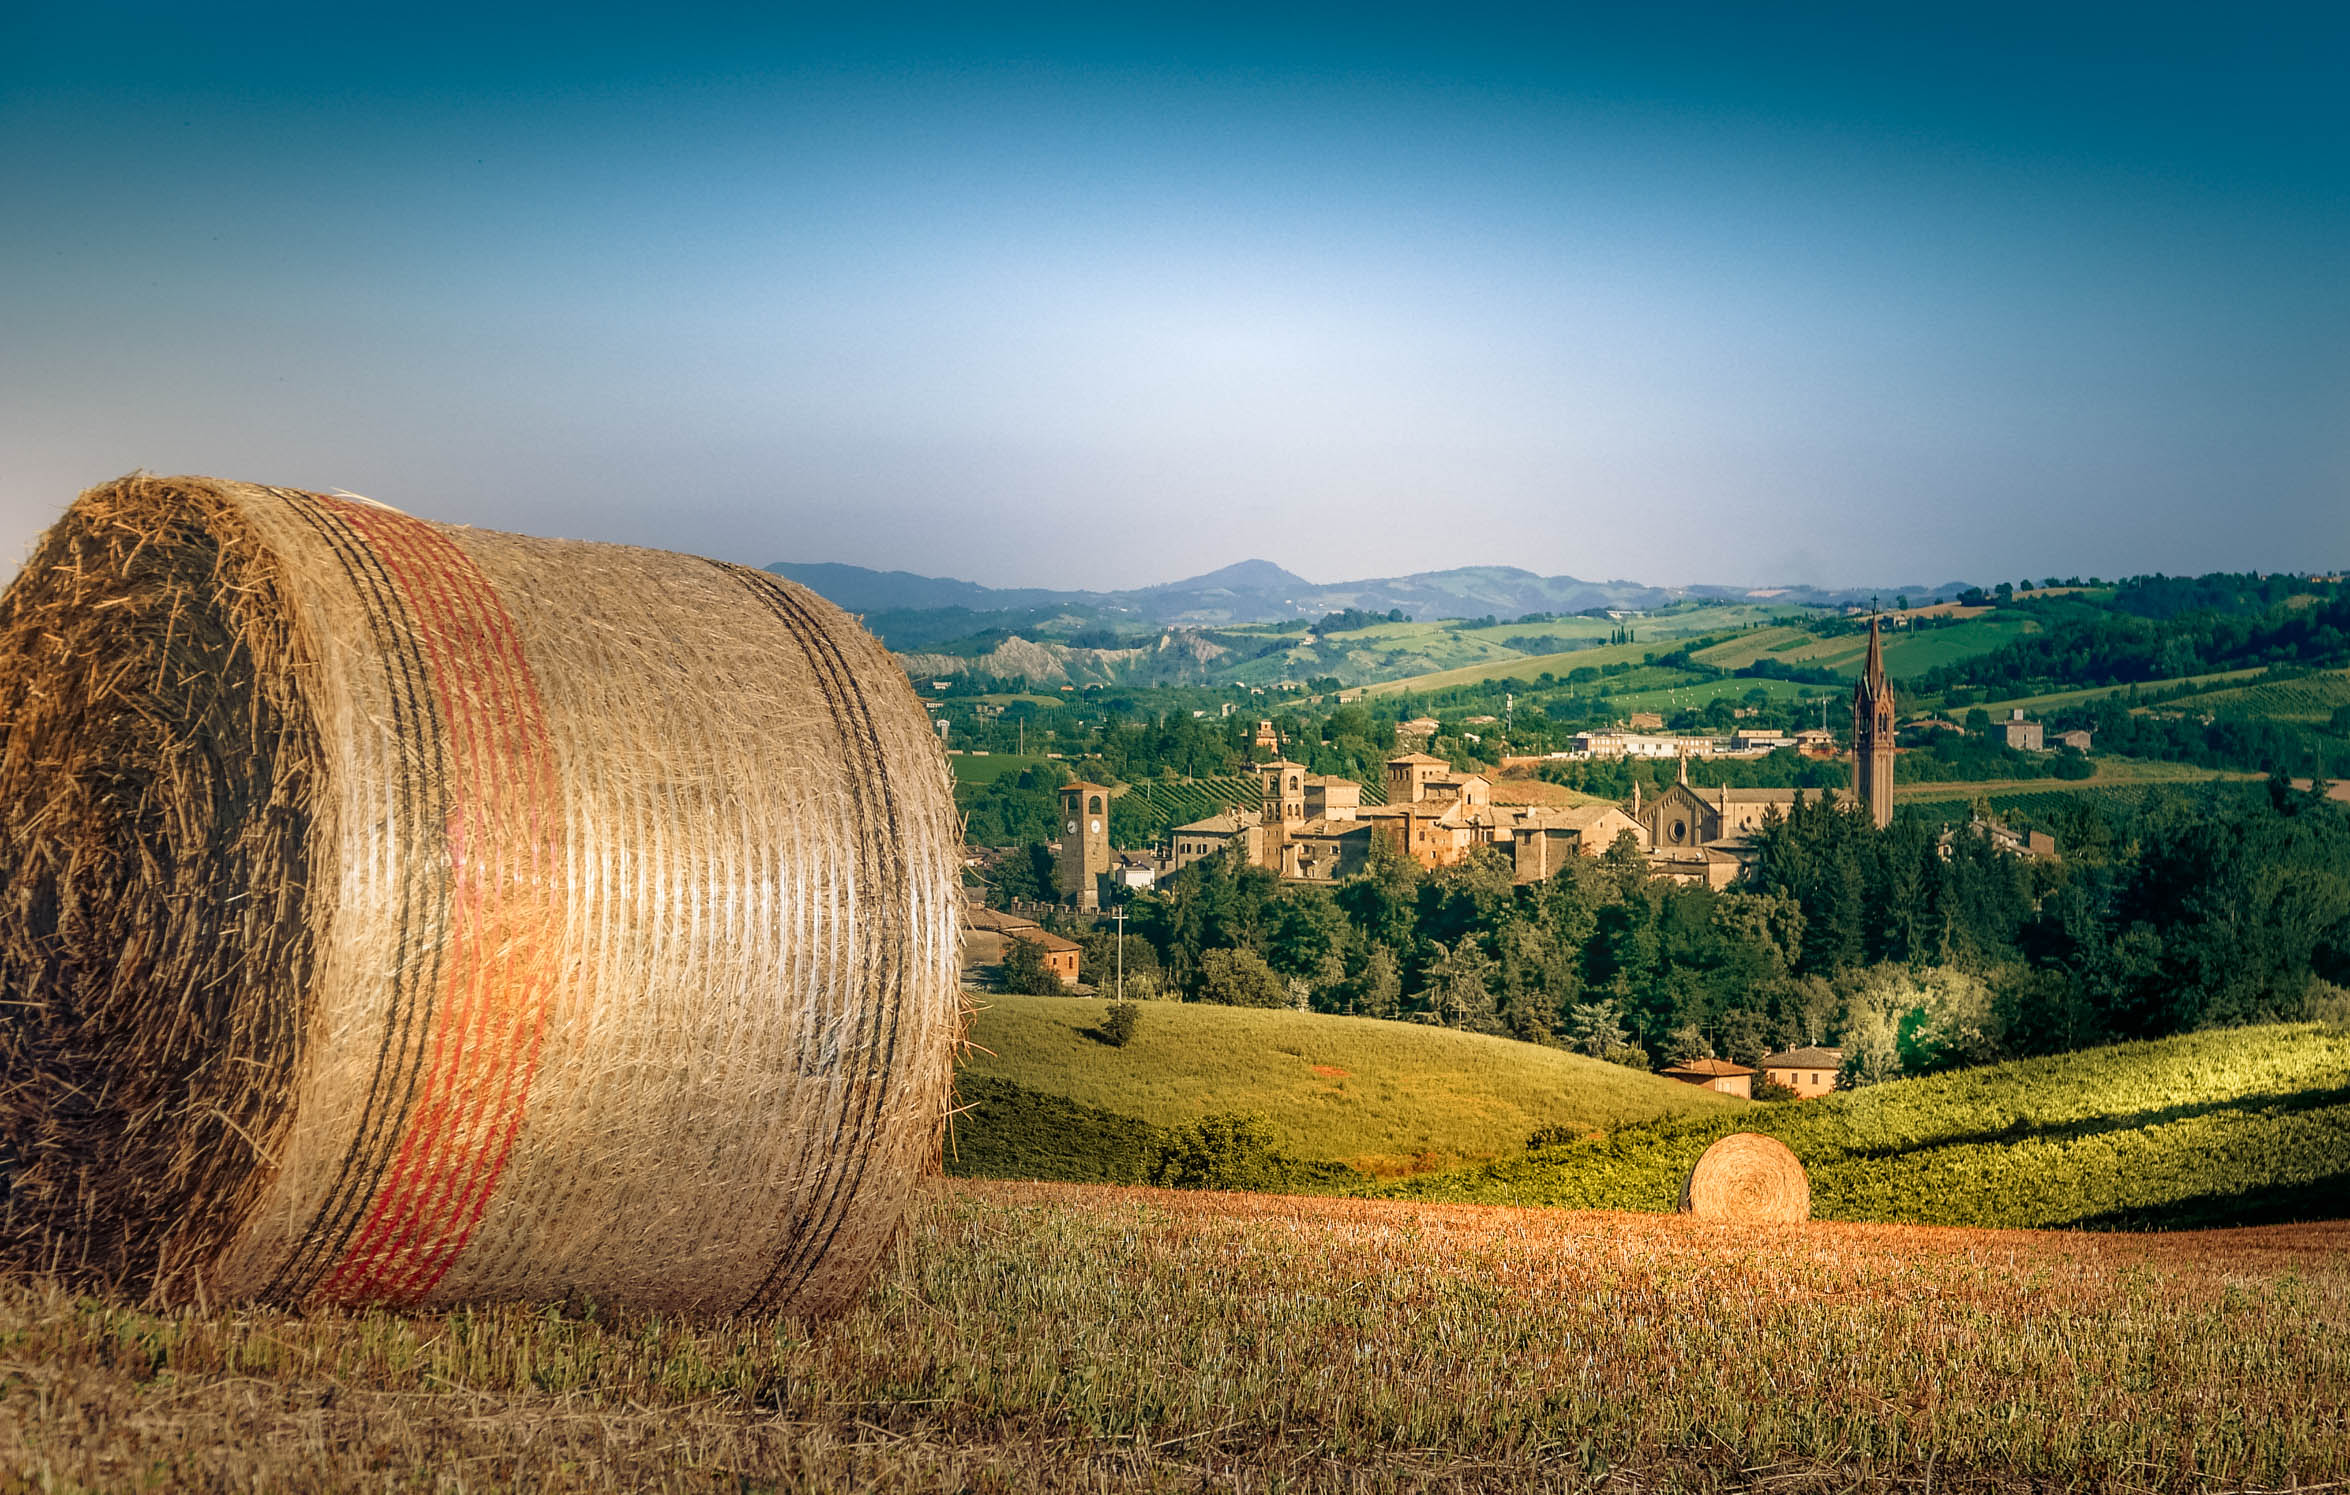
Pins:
<point x="504" y="871"/>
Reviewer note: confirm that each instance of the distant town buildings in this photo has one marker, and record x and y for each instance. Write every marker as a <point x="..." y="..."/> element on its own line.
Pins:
<point x="1315" y="828"/>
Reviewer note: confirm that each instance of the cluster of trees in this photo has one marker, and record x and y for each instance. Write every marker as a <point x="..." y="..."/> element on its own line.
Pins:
<point x="2217" y="740"/>
<point x="2123" y="648"/>
<point x="1351" y="619"/>
<point x="1918" y="947"/>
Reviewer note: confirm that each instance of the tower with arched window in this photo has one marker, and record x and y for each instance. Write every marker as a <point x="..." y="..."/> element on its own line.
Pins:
<point x="1872" y="736"/>
<point x="1085" y="841"/>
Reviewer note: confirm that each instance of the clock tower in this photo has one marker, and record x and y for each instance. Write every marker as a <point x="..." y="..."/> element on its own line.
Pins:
<point x="1085" y="842"/>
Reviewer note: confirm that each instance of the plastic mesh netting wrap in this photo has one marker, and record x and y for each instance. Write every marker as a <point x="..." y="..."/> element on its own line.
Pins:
<point x="393" y="912"/>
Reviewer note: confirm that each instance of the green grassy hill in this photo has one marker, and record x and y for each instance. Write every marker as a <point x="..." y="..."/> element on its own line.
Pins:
<point x="1906" y="654"/>
<point x="1522" y="667"/>
<point x="978" y="770"/>
<point x="2051" y="700"/>
<point x="1385" y="1097"/>
<point x="2239" y="1126"/>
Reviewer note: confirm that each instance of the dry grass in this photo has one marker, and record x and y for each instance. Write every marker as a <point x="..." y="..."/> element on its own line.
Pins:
<point x="1034" y="1337"/>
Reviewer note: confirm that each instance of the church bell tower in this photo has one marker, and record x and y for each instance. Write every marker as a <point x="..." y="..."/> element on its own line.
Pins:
<point x="1085" y="842"/>
<point x="1872" y="736"/>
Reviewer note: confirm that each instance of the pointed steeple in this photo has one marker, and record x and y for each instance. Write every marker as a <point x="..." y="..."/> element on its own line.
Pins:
<point x="1872" y="734"/>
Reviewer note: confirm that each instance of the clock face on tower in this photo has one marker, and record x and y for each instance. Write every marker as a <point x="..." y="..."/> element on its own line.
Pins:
<point x="1093" y="825"/>
<point x="1072" y="827"/>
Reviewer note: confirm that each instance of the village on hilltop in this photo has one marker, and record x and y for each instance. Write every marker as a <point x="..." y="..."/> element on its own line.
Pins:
<point x="1315" y="828"/>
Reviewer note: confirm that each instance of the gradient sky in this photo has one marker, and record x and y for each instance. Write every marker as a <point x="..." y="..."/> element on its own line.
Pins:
<point x="1106" y="296"/>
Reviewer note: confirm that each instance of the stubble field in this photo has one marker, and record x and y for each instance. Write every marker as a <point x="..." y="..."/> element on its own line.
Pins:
<point x="1041" y="1337"/>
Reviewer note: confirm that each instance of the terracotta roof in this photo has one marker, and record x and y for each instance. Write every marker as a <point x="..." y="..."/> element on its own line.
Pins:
<point x="996" y="919"/>
<point x="1225" y="823"/>
<point x="1045" y="939"/>
<point x="1417" y="758"/>
<point x="1710" y="1068"/>
<point x="1323" y="828"/>
<point x="1813" y="1058"/>
<point x="1583" y="817"/>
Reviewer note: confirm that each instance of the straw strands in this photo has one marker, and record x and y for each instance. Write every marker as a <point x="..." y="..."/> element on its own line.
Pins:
<point x="1748" y="1179"/>
<point x="399" y="913"/>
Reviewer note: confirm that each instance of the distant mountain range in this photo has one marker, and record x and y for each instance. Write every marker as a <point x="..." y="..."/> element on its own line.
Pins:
<point x="1257" y="591"/>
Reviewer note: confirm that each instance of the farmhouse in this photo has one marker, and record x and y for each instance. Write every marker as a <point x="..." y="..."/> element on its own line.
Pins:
<point x="1809" y="1072"/>
<point x="987" y="933"/>
<point x="1714" y="1074"/>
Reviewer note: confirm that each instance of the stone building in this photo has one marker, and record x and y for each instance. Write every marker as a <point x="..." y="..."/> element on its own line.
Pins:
<point x="987" y="933"/>
<point x="1085" y="842"/>
<point x="1315" y="828"/>
<point x="1684" y="817"/>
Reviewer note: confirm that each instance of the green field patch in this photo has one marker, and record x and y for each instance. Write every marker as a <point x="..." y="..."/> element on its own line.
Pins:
<point x="981" y="769"/>
<point x="1760" y="643"/>
<point x="1697" y="694"/>
<point x="1524" y="667"/>
<point x="2240" y="1126"/>
<point x="1386" y="1097"/>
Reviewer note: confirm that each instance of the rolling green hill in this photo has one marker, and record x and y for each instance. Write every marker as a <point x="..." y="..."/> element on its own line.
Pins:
<point x="2237" y="1126"/>
<point x="1383" y="1096"/>
<point x="2312" y="698"/>
<point x="1906" y="654"/>
<point x="2051" y="700"/>
<point x="1521" y="667"/>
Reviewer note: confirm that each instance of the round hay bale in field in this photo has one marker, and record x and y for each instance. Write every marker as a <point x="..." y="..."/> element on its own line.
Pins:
<point x="398" y="913"/>
<point x="1748" y="1179"/>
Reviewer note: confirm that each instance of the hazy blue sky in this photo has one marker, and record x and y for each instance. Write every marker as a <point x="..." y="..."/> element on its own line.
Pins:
<point x="1105" y="296"/>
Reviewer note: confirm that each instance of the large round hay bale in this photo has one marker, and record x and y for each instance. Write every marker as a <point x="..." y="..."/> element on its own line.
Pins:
<point x="399" y="913"/>
<point x="1748" y="1179"/>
